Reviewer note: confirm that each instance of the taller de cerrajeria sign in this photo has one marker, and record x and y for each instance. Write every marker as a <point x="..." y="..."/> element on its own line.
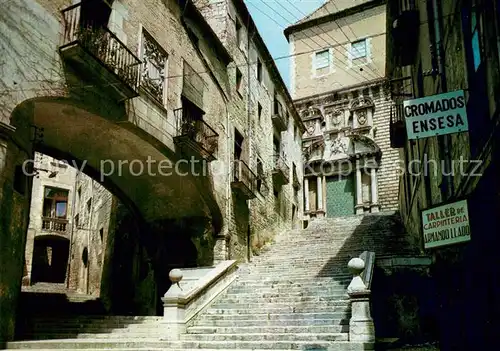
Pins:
<point x="436" y="115"/>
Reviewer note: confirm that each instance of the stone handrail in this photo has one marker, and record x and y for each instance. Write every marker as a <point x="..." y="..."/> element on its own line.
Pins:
<point x="361" y="328"/>
<point x="367" y="274"/>
<point x="185" y="299"/>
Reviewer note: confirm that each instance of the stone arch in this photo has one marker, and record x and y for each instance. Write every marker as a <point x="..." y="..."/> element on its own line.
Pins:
<point x="75" y="131"/>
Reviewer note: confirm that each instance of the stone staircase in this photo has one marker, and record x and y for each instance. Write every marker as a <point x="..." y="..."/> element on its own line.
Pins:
<point x="292" y="297"/>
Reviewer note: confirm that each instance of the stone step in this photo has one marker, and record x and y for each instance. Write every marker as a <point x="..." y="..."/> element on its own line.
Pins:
<point x="270" y="323"/>
<point x="249" y="299"/>
<point x="121" y="344"/>
<point x="331" y="329"/>
<point x="274" y="310"/>
<point x="283" y="306"/>
<point x="286" y="294"/>
<point x="92" y="326"/>
<point x="262" y="337"/>
<point x="210" y="316"/>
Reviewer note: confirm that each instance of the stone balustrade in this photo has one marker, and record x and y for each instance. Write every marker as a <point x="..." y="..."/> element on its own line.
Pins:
<point x="186" y="298"/>
<point x="361" y="327"/>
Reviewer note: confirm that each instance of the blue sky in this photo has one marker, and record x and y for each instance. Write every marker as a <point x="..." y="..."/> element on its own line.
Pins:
<point x="272" y="17"/>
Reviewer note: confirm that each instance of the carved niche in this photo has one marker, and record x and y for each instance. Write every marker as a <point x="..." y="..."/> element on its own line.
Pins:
<point x="362" y="110"/>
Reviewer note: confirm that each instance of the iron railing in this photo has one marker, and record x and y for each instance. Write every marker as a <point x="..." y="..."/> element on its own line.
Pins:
<point x="54" y="224"/>
<point x="101" y="43"/>
<point x="192" y="126"/>
<point x="242" y="173"/>
<point x="280" y="165"/>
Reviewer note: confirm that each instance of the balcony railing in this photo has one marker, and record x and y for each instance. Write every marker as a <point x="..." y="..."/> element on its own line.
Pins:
<point x="244" y="179"/>
<point x="102" y="44"/>
<point x="54" y="224"/>
<point x="397" y="126"/>
<point x="279" y="118"/>
<point x="195" y="132"/>
<point x="281" y="171"/>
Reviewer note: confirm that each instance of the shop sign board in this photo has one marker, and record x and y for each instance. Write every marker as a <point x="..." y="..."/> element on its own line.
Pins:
<point x="436" y="115"/>
<point x="446" y="225"/>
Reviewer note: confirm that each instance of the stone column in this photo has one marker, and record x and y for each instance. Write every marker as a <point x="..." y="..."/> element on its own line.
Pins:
<point x="374" y="207"/>
<point x="361" y="327"/>
<point x="319" y="191"/>
<point x="306" y="193"/>
<point x="359" y="191"/>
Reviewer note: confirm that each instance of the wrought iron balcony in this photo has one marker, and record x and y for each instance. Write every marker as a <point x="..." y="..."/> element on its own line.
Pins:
<point x="194" y="136"/>
<point x="397" y="127"/>
<point x="281" y="171"/>
<point x="97" y="54"/>
<point x="279" y="119"/>
<point x="244" y="180"/>
<point x="58" y="225"/>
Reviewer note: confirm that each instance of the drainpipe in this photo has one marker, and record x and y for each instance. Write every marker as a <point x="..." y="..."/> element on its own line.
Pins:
<point x="445" y="139"/>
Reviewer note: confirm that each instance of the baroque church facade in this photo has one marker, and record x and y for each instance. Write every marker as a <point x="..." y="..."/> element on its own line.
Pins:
<point x="341" y="94"/>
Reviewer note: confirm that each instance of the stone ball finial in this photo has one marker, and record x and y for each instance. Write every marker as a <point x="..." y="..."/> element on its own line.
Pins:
<point x="175" y="275"/>
<point x="356" y="266"/>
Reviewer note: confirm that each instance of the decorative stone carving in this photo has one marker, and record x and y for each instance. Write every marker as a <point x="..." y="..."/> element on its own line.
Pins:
<point x="310" y="126"/>
<point x="311" y="112"/>
<point x="362" y="111"/>
<point x="335" y="117"/>
<point x="361" y="102"/>
<point x="337" y="147"/>
<point x="362" y="116"/>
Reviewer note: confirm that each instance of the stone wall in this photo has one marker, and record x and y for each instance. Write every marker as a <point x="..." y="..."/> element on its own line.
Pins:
<point x="257" y="220"/>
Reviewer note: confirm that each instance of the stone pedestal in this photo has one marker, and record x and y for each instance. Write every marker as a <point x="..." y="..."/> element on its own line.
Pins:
<point x="361" y="328"/>
<point x="173" y="315"/>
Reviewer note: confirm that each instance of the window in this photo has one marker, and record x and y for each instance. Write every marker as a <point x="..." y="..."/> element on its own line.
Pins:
<point x="238" y="145"/>
<point x="358" y="49"/>
<point x="259" y="70"/>
<point x="153" y="71"/>
<point x="259" y="111"/>
<point x="260" y="174"/>
<point x="322" y="59"/>
<point x="239" y="36"/>
<point x="55" y="203"/>
<point x="77" y="221"/>
<point x="239" y="78"/>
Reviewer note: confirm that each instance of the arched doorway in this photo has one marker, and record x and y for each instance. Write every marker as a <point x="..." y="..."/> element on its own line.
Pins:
<point x="50" y="257"/>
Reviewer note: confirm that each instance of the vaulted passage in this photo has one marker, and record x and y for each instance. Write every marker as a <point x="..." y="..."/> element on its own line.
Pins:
<point x="158" y="219"/>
